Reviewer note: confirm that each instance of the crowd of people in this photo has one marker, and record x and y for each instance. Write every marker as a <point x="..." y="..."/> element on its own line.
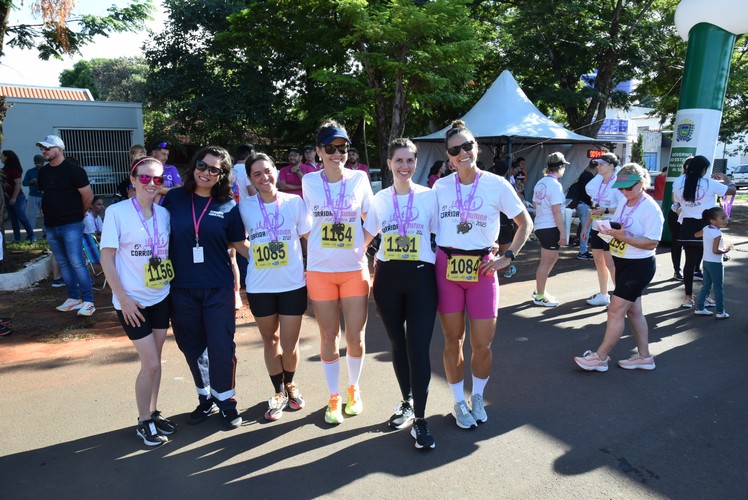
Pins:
<point x="304" y="230"/>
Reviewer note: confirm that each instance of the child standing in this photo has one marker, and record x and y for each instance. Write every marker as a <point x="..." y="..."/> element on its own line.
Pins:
<point x="715" y="248"/>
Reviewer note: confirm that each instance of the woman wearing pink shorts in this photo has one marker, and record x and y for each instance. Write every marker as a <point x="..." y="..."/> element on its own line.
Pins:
<point x="469" y="204"/>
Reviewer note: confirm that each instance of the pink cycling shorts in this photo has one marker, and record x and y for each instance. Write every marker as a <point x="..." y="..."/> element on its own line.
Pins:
<point x="480" y="298"/>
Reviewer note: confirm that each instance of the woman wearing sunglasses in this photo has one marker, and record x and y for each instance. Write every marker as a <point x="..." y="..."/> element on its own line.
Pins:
<point x="633" y="234"/>
<point x="205" y="223"/>
<point x="405" y="284"/>
<point x="134" y="257"/>
<point x="276" y="288"/>
<point x="470" y="201"/>
<point x="337" y="269"/>
<point x="605" y="199"/>
<point x="695" y="193"/>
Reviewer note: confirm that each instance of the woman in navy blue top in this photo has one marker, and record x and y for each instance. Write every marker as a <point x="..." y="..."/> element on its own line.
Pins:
<point x="205" y="223"/>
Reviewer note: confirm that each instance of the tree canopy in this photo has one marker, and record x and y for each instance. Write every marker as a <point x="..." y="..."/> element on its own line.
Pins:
<point x="121" y="79"/>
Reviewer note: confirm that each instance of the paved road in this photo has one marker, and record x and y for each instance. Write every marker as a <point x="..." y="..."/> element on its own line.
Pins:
<point x="553" y="431"/>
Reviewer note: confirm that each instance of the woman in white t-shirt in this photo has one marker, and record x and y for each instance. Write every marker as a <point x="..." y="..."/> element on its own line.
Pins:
<point x="605" y="199"/>
<point x="338" y="280"/>
<point x="633" y="235"/>
<point x="134" y="256"/>
<point x="276" y="288"/>
<point x="696" y="193"/>
<point x="470" y="201"/>
<point x="405" y="284"/>
<point x="548" y="200"/>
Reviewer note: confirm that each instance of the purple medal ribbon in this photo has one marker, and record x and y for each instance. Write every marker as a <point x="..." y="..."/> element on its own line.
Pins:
<point x="727" y="205"/>
<point x="465" y="209"/>
<point x="98" y="229"/>
<point x="272" y="227"/>
<point x="602" y="195"/>
<point x="154" y="249"/>
<point x="337" y="210"/>
<point x="402" y="225"/>
<point x="624" y="221"/>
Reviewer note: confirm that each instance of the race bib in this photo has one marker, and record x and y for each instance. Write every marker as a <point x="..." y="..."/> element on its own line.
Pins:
<point x="393" y="249"/>
<point x="617" y="248"/>
<point x="267" y="258"/>
<point x="160" y="275"/>
<point x="597" y="216"/>
<point x="337" y="235"/>
<point x="463" y="268"/>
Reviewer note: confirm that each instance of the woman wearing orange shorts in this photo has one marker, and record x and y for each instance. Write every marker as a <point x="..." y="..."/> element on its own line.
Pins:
<point x="337" y="269"/>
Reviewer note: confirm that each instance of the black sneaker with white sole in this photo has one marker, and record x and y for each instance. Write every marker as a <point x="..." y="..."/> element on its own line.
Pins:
<point x="165" y="426"/>
<point x="403" y="415"/>
<point x="232" y="418"/>
<point x="148" y="432"/>
<point x="420" y="432"/>
<point x="202" y="412"/>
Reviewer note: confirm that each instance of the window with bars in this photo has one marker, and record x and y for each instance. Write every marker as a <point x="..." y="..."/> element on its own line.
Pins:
<point x="103" y="154"/>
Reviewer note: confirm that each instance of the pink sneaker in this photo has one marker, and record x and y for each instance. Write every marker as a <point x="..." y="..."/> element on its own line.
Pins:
<point x="638" y="362"/>
<point x="590" y="361"/>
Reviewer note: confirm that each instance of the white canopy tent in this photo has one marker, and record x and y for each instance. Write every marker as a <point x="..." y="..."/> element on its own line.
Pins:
<point x="504" y="116"/>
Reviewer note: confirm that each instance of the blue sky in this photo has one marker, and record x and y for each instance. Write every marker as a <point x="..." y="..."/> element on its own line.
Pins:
<point x="24" y="67"/>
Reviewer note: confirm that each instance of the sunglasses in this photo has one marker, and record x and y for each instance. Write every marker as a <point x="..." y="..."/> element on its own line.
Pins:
<point x="465" y="146"/>
<point x="628" y="188"/>
<point x="600" y="162"/>
<point x="331" y="148"/>
<point x="163" y="145"/>
<point x="146" y="179"/>
<point x="202" y="167"/>
<point x="44" y="148"/>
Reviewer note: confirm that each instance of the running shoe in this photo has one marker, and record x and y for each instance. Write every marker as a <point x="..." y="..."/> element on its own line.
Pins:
<point x="232" y="418"/>
<point x="354" y="405"/>
<point x="70" y="305"/>
<point x="687" y="303"/>
<point x="637" y="362"/>
<point x="4" y="330"/>
<point x="703" y="312"/>
<point x="403" y="415"/>
<point x="276" y="405"/>
<point x="585" y="256"/>
<point x="420" y="431"/>
<point x="202" y="412"/>
<point x="477" y="409"/>
<point x="86" y="309"/>
<point x="238" y="304"/>
<point x="722" y="315"/>
<point x="710" y="302"/>
<point x="5" y="321"/>
<point x="599" y="299"/>
<point x="164" y="426"/>
<point x="148" y="432"/>
<point x="698" y="276"/>
<point x="545" y="300"/>
<point x="463" y="418"/>
<point x="333" y="413"/>
<point x="58" y="283"/>
<point x="590" y="361"/>
<point x="295" y="400"/>
<point x="677" y="276"/>
<point x="511" y="271"/>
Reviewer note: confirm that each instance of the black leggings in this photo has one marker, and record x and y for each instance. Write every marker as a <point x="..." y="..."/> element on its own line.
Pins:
<point x="405" y="294"/>
<point x="675" y="245"/>
<point x="694" y="254"/>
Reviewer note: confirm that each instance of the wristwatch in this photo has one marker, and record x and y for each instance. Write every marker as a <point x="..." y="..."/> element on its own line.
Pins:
<point x="509" y="255"/>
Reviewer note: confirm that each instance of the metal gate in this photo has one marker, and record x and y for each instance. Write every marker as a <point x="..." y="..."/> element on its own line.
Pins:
<point x="103" y="154"/>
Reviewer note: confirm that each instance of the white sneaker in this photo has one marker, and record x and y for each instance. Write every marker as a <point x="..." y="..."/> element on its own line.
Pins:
<point x="86" y="309"/>
<point x="599" y="299"/>
<point x="722" y="315"/>
<point x="703" y="312"/>
<point x="69" y="305"/>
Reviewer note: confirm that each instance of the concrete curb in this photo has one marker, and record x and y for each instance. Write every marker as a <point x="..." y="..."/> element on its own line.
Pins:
<point x="37" y="271"/>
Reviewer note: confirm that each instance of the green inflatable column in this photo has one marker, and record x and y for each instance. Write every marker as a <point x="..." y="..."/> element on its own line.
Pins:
<point x="702" y="96"/>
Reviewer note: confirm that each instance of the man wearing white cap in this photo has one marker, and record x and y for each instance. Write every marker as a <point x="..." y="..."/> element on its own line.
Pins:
<point x="66" y="197"/>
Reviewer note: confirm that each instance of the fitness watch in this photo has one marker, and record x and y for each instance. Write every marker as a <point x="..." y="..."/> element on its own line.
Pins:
<point x="509" y="254"/>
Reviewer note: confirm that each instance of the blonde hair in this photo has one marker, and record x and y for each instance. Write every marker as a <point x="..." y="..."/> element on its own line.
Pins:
<point x="635" y="168"/>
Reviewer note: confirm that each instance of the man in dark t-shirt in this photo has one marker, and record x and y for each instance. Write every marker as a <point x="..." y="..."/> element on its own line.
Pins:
<point x="66" y="197"/>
